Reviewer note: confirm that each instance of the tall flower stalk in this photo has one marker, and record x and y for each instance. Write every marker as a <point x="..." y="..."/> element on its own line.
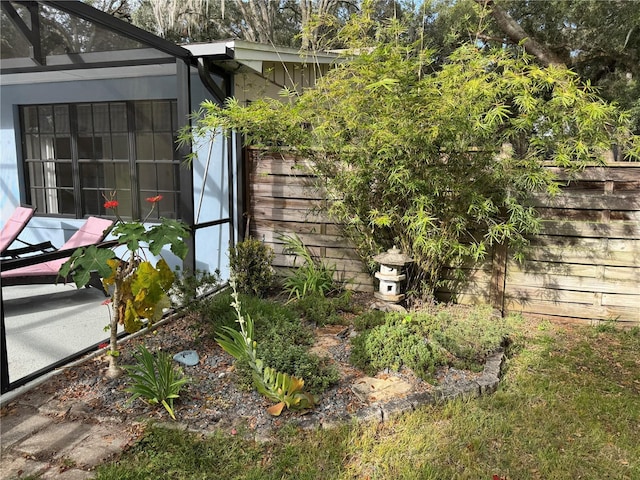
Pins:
<point x="139" y="288"/>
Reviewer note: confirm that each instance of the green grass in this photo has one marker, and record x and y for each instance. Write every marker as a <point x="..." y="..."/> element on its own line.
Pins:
<point x="567" y="408"/>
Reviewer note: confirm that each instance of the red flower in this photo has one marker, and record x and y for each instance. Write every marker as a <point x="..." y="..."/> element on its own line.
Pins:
<point x="155" y="199"/>
<point x="111" y="204"/>
<point x="103" y="345"/>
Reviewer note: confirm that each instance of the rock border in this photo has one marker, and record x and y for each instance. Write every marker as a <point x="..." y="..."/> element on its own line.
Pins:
<point x="380" y="412"/>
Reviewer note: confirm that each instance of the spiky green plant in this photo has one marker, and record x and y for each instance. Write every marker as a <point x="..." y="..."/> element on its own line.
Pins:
<point x="155" y="379"/>
<point x="279" y="387"/>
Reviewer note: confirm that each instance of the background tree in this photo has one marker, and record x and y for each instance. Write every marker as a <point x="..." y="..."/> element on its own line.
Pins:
<point x="437" y="159"/>
<point x="598" y="39"/>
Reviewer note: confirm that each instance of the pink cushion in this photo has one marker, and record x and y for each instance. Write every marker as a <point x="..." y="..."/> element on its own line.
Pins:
<point x="14" y="226"/>
<point x="90" y="233"/>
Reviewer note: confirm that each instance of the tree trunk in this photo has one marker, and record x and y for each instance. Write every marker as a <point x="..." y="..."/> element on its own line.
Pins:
<point x="516" y="34"/>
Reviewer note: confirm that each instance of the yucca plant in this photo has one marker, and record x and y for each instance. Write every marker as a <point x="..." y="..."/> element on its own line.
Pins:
<point x="155" y="379"/>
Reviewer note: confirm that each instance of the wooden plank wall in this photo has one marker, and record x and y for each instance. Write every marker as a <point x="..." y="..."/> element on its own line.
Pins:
<point x="586" y="261"/>
<point x="585" y="264"/>
<point x="283" y="200"/>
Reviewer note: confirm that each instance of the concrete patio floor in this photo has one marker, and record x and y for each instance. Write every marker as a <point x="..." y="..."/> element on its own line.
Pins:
<point x="48" y="323"/>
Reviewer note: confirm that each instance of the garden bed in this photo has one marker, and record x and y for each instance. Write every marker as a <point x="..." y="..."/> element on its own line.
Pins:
<point x="214" y="399"/>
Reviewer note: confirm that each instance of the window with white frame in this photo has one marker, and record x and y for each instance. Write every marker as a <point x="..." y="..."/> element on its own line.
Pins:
<point x="77" y="154"/>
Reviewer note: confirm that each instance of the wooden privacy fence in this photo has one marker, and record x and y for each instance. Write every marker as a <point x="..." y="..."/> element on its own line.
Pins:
<point x="584" y="264"/>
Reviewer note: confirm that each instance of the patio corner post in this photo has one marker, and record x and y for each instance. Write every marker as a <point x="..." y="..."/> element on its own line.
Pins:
<point x="186" y="178"/>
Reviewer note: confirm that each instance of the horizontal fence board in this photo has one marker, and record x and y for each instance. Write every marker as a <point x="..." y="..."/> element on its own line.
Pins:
<point x="297" y="203"/>
<point x="629" y="230"/>
<point x="620" y="300"/>
<point x="295" y="227"/>
<point x="557" y="309"/>
<point x="287" y="191"/>
<point x="620" y="172"/>
<point x="583" y="284"/>
<point x="290" y="215"/>
<point x="308" y="239"/>
<point x="524" y="293"/>
<point x="545" y="267"/>
<point x="589" y="201"/>
<point x="289" y="180"/>
<point x="624" y="274"/>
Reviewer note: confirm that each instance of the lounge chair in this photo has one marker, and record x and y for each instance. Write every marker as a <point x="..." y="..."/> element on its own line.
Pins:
<point x="46" y="271"/>
<point x="12" y="228"/>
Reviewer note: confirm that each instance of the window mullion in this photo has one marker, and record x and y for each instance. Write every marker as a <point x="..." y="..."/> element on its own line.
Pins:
<point x="135" y="194"/>
<point x="75" y="163"/>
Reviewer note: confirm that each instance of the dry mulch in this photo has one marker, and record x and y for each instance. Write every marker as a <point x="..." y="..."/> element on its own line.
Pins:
<point x="212" y="399"/>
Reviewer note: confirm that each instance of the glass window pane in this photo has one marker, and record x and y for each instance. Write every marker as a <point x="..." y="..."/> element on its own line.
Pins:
<point x="32" y="147"/>
<point x="174" y="117"/>
<point x="120" y="144"/>
<point x="166" y="177"/>
<point x="46" y="118"/>
<point x="92" y="202"/>
<point x="65" y="202"/>
<point x="161" y="116"/>
<point x="167" y="207"/>
<point x="30" y="116"/>
<point x="143" y="116"/>
<point x="62" y="118"/>
<point x="63" y="148"/>
<point x="118" y="117"/>
<point x="37" y="196"/>
<point x="122" y="177"/>
<point x="100" y="117"/>
<point x="125" y="205"/>
<point x="85" y="121"/>
<point x="64" y="175"/>
<point x="88" y="175"/>
<point x="144" y="146"/>
<point x="85" y="148"/>
<point x="163" y="146"/>
<point x="105" y="147"/>
<point x="147" y="177"/>
<point x="36" y="176"/>
<point x="47" y="151"/>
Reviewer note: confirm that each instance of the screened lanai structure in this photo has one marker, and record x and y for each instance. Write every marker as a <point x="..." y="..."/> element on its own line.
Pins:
<point x="91" y="105"/>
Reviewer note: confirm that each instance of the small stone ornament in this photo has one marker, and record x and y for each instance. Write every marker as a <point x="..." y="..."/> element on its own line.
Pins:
<point x="187" y="357"/>
<point x="390" y="275"/>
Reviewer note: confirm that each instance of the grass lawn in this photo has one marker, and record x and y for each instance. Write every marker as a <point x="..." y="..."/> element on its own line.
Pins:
<point x="568" y="408"/>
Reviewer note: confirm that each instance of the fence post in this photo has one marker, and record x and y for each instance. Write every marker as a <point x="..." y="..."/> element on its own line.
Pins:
<point x="498" y="277"/>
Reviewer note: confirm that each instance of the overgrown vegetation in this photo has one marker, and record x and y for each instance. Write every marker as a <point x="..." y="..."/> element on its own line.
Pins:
<point x="423" y="341"/>
<point x="438" y="158"/>
<point x="320" y="310"/>
<point x="283" y="340"/>
<point x="567" y="408"/>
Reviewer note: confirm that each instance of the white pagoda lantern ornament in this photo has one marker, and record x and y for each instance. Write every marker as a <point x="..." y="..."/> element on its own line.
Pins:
<point x="390" y="275"/>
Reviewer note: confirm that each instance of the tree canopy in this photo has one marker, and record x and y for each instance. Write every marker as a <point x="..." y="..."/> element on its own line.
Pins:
<point x="439" y="159"/>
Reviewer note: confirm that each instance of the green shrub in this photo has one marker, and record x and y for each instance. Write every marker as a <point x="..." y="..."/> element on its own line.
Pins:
<point x="422" y="341"/>
<point x="320" y="310"/>
<point x="369" y="319"/>
<point x="401" y="341"/>
<point x="190" y="285"/>
<point x="251" y="260"/>
<point x="296" y="360"/>
<point x="472" y="334"/>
